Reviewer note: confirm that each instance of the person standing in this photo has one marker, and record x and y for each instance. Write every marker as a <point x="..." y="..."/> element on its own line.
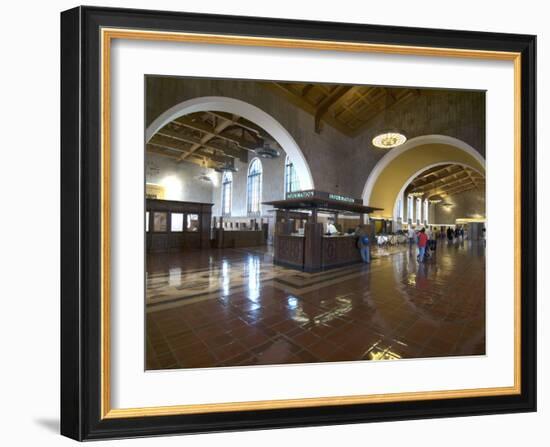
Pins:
<point x="432" y="239"/>
<point x="422" y="242"/>
<point x="331" y="228"/>
<point x="364" y="247"/>
<point x="450" y="234"/>
<point x="411" y="235"/>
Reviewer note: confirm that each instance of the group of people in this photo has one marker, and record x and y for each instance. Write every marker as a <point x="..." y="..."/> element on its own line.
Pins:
<point x="457" y="234"/>
<point x="425" y="239"/>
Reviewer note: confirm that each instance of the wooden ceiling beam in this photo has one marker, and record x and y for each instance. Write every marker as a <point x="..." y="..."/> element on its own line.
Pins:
<point x="306" y="89"/>
<point x="238" y="122"/>
<point x="331" y="100"/>
<point x="441" y="188"/>
<point x="434" y="183"/>
<point x="160" y="150"/>
<point x="172" y="144"/>
<point x="194" y="142"/>
<point x="410" y="95"/>
<point x="459" y="190"/>
<point x="207" y="137"/>
<point x="303" y="103"/>
<point x="204" y="128"/>
<point x="435" y="172"/>
<point x="472" y="178"/>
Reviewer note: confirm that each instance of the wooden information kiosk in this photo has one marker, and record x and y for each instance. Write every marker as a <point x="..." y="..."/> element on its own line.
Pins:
<point x="312" y="250"/>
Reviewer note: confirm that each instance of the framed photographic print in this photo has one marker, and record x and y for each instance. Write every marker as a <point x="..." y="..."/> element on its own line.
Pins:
<point x="274" y="223"/>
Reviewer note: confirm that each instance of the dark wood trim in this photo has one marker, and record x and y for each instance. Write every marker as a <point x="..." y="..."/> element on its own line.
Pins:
<point x="174" y="241"/>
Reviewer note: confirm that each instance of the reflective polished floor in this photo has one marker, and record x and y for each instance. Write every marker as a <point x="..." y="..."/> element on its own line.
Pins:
<point x="233" y="307"/>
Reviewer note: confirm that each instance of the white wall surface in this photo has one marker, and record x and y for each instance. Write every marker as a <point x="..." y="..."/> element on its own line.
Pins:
<point x="180" y="180"/>
<point x="29" y="325"/>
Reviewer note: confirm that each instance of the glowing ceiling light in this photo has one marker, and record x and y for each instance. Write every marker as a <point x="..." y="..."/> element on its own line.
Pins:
<point x="387" y="140"/>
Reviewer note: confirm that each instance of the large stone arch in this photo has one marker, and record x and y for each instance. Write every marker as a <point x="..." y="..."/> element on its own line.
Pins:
<point x="420" y="171"/>
<point x="248" y="111"/>
<point x="393" y="172"/>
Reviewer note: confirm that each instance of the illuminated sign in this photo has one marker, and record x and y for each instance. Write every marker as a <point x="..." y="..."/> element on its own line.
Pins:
<point x="299" y="195"/>
<point x="311" y="194"/>
<point x="341" y="198"/>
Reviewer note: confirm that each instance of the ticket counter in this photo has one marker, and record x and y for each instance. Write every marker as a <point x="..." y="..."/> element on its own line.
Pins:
<point x="173" y="226"/>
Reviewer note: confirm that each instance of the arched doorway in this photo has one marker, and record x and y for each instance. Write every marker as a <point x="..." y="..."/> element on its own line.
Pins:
<point x="247" y="111"/>
<point x="394" y="172"/>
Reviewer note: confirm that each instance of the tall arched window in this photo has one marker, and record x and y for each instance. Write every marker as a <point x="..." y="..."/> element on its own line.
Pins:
<point x="410" y="209"/>
<point x="426" y="210"/>
<point x="418" y="210"/>
<point x="292" y="182"/>
<point x="399" y="214"/>
<point x="227" y="189"/>
<point x="254" y="187"/>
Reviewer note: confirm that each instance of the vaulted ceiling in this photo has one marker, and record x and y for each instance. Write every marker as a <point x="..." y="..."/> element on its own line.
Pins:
<point x="213" y="139"/>
<point x="348" y="108"/>
<point x="446" y="180"/>
<point x="210" y="139"/>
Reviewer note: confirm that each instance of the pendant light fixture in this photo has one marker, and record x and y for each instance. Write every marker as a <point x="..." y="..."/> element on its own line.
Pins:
<point x="204" y="177"/>
<point x="388" y="138"/>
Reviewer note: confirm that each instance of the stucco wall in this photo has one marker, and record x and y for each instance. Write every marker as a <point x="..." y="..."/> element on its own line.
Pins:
<point x="469" y="204"/>
<point x="434" y="112"/>
<point x="179" y="179"/>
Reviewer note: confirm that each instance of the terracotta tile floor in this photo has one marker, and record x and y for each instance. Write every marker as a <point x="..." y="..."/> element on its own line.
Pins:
<point x="232" y="307"/>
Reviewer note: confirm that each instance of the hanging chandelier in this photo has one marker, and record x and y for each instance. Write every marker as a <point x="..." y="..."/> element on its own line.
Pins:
<point x="203" y="176"/>
<point x="266" y="151"/>
<point x="389" y="139"/>
<point x="435" y="199"/>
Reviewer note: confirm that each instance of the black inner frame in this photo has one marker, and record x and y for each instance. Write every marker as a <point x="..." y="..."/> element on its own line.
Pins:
<point x="81" y="207"/>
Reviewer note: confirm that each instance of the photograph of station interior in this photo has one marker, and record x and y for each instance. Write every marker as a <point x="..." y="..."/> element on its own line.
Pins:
<point x="255" y="193"/>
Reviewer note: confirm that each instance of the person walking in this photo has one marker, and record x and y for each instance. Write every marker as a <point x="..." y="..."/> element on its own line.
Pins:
<point x="364" y="247"/>
<point x="450" y="234"/>
<point x="411" y="235"/>
<point x="432" y="239"/>
<point x="422" y="242"/>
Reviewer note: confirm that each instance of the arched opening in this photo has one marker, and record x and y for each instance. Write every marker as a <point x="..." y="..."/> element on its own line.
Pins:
<point x="247" y="111"/>
<point x="292" y="182"/>
<point x="227" y="193"/>
<point x="400" y="211"/>
<point x="254" y="187"/>
<point x="395" y="171"/>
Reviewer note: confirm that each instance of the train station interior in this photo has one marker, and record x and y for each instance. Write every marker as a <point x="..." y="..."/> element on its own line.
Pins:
<point x="259" y="196"/>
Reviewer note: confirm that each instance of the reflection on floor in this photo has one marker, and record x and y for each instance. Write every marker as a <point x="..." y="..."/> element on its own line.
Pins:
<point x="233" y="307"/>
